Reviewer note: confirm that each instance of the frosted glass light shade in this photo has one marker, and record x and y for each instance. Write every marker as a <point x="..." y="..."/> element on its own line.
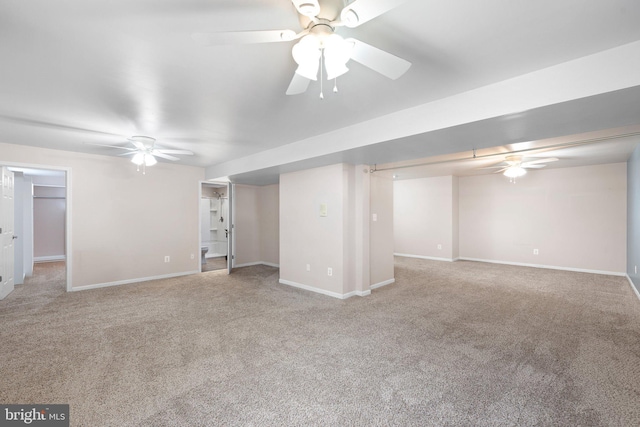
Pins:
<point x="514" y="171"/>
<point x="138" y="159"/>
<point x="149" y="160"/>
<point x="306" y="53"/>
<point x="143" y="158"/>
<point x="337" y="53"/>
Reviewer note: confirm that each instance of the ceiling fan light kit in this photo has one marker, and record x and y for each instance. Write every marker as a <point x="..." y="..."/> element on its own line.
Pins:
<point x="514" y="172"/>
<point x="333" y="49"/>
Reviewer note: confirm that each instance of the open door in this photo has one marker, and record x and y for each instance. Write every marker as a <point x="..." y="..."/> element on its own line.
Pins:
<point x="6" y="234"/>
<point x="231" y="228"/>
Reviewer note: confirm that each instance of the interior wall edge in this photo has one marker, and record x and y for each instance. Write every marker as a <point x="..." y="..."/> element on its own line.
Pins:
<point x="322" y="291"/>
<point x="633" y="287"/>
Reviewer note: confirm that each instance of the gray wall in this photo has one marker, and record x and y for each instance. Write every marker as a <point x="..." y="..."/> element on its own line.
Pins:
<point x="633" y="217"/>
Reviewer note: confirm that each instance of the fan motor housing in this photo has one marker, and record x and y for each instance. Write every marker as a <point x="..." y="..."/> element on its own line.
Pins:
<point x="329" y="11"/>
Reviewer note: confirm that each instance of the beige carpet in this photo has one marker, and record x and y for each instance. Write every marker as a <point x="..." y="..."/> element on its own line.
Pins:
<point x="449" y="344"/>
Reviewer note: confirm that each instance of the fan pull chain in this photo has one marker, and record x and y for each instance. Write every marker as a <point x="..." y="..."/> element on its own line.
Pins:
<point x="321" y="66"/>
<point x="335" y="85"/>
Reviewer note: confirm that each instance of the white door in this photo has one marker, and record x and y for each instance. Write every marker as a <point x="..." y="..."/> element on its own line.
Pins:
<point x="6" y="233"/>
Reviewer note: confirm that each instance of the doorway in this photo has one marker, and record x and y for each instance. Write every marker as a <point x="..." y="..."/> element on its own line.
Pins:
<point x="40" y="222"/>
<point x="215" y="226"/>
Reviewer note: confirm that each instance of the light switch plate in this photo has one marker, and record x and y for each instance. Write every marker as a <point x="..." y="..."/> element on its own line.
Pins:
<point x="323" y="209"/>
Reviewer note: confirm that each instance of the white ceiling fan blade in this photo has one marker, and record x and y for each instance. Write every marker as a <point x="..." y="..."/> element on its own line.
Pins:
<point x="501" y="170"/>
<point x="164" y="156"/>
<point x="535" y="162"/>
<point x="492" y="168"/>
<point x="139" y="145"/>
<point x="130" y="153"/>
<point x="245" y="37"/>
<point x="298" y="85"/>
<point x="378" y="60"/>
<point x="167" y="151"/>
<point x="533" y="166"/>
<point x="110" y="146"/>
<point x="361" y="11"/>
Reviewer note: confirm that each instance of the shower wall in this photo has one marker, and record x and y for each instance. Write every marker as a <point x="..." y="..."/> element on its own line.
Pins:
<point x="213" y="221"/>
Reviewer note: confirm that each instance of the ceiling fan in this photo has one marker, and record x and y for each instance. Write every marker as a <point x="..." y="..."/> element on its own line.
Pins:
<point x="319" y="46"/>
<point x="516" y="166"/>
<point x="144" y="151"/>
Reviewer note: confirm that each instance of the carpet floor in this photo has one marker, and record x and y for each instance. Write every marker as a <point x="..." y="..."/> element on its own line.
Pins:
<point x="448" y="344"/>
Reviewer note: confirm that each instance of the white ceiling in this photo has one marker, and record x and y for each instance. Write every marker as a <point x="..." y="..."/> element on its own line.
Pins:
<point x="77" y="71"/>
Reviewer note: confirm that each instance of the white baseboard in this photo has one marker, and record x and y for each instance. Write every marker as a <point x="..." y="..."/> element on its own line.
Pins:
<point x="426" y="257"/>
<point x="249" y="264"/>
<point x="323" y="291"/>
<point x="381" y="284"/>
<point x="129" y="281"/>
<point x="635" y="290"/>
<point x="549" y="267"/>
<point x="357" y="293"/>
<point x="52" y="258"/>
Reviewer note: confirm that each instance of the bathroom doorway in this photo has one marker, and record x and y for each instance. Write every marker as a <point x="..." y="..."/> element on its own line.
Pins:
<point x="215" y="229"/>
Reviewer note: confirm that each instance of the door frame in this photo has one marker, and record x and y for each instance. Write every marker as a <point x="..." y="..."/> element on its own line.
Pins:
<point x="7" y="232"/>
<point x="67" y="213"/>
<point x="231" y="244"/>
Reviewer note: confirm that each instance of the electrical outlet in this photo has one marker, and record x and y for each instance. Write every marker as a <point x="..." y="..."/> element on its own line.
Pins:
<point x="535" y="252"/>
<point x="193" y="256"/>
<point x="374" y="217"/>
<point x="308" y="267"/>
<point x="330" y="272"/>
<point x="167" y="258"/>
<point x="439" y="247"/>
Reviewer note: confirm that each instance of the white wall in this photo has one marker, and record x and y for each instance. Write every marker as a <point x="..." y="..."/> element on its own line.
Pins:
<point x="257" y="224"/>
<point x="633" y="219"/>
<point x="247" y="227"/>
<point x="269" y="220"/>
<point x="575" y="217"/>
<point x="305" y="236"/>
<point x="341" y="240"/>
<point x="424" y="214"/>
<point x="123" y="222"/>
<point x="381" y="230"/>
<point x="49" y="206"/>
